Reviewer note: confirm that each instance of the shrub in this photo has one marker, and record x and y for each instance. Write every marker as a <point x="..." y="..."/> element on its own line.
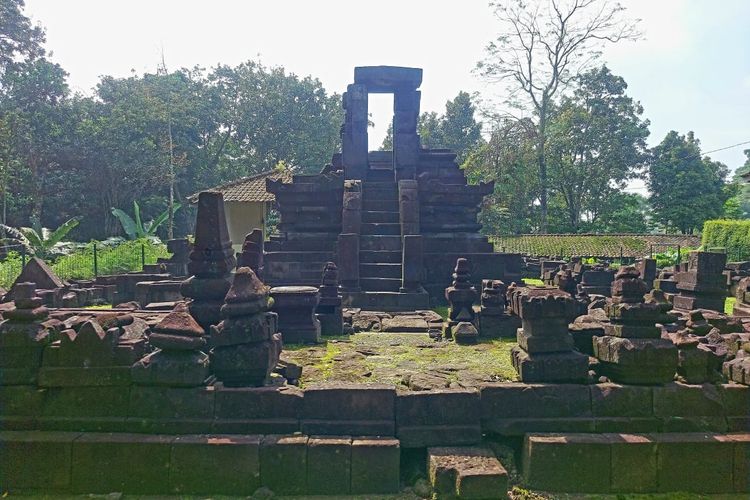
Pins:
<point x="733" y="235"/>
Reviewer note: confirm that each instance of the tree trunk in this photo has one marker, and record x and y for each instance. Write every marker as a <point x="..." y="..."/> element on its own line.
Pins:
<point x="542" y="164"/>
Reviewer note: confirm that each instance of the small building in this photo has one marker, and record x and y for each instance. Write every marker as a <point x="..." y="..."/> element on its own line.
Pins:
<point x="247" y="203"/>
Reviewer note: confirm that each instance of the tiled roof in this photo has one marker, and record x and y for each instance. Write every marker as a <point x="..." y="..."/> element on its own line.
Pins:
<point x="249" y="189"/>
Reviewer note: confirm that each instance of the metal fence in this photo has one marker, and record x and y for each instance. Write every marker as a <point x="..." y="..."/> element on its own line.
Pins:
<point x="86" y="262"/>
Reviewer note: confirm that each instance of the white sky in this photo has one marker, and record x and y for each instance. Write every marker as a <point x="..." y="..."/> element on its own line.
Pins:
<point x="692" y="72"/>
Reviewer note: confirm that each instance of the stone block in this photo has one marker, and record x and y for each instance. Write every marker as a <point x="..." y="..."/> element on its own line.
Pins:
<point x="741" y="460"/>
<point x="85" y="408"/>
<point x="438" y="418"/>
<point x="215" y="465"/>
<point x="632" y="331"/>
<point x="541" y="344"/>
<point x="34" y="460"/>
<point x="376" y="465"/>
<point x="329" y="465"/>
<point x="257" y="410"/>
<point x="518" y="400"/>
<point x="128" y="463"/>
<point x="678" y="469"/>
<point x="578" y="463"/>
<point x="173" y="410"/>
<point x="627" y="425"/>
<point x="339" y="409"/>
<point x="636" y="361"/>
<point x="556" y="367"/>
<point x="614" y="400"/>
<point x="283" y="464"/>
<point x="466" y="472"/>
<point x="634" y="463"/>
<point x="682" y="400"/>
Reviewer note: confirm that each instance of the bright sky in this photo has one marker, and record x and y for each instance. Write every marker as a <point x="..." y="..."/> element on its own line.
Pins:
<point x="692" y="72"/>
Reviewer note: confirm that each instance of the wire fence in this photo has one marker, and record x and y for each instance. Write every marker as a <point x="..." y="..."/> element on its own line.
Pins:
<point x="86" y="262"/>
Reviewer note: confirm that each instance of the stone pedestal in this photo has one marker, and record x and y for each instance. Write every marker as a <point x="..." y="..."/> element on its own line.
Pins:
<point x="179" y="360"/>
<point x="329" y="310"/>
<point x="632" y="350"/>
<point x="23" y="337"/>
<point x="494" y="319"/>
<point x="246" y="347"/>
<point x="252" y="252"/>
<point x="545" y="347"/>
<point x="211" y="262"/>
<point x="596" y="281"/>
<point x="702" y="285"/>
<point x="460" y="296"/>
<point x="296" y="306"/>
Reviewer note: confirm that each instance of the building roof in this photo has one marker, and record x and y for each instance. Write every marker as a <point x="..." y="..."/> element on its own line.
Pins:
<point x="249" y="189"/>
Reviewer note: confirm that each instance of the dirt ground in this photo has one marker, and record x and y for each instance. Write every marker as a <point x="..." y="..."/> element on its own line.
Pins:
<point x="410" y="361"/>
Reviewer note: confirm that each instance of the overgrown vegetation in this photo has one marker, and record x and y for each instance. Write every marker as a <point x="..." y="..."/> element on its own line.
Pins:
<point x="733" y="235"/>
<point x="79" y="264"/>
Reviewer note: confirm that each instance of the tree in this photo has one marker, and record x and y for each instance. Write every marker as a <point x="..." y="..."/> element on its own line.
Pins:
<point x="19" y="40"/>
<point x="597" y="141"/>
<point x="686" y="190"/>
<point x="457" y="129"/>
<point x="40" y="242"/>
<point x="507" y="158"/>
<point x="540" y="49"/>
<point x="741" y="199"/>
<point x="135" y="228"/>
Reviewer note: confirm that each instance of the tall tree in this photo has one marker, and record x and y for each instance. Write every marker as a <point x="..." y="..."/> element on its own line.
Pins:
<point x="508" y="159"/>
<point x="19" y="39"/>
<point x="597" y="142"/>
<point x="541" y="47"/>
<point x="686" y="189"/>
<point x="457" y="129"/>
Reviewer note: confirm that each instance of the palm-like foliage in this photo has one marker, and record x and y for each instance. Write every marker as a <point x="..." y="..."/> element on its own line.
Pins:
<point x="39" y="243"/>
<point x="135" y="228"/>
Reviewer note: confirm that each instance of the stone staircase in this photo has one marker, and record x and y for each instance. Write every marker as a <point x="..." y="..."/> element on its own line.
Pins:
<point x="380" y="237"/>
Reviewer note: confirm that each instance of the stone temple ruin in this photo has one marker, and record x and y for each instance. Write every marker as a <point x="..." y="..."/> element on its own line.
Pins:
<point x="394" y="222"/>
<point x="619" y="388"/>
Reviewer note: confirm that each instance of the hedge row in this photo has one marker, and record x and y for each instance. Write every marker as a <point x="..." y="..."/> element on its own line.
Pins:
<point x="734" y="235"/>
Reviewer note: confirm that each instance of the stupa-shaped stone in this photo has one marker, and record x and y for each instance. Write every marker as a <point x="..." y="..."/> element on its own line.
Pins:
<point x="179" y="359"/>
<point x="545" y="347"/>
<point x="632" y="350"/>
<point x="460" y="296"/>
<point x="252" y="252"/>
<point x="23" y="337"/>
<point x="494" y="318"/>
<point x="211" y="262"/>
<point x="329" y="311"/>
<point x="246" y="346"/>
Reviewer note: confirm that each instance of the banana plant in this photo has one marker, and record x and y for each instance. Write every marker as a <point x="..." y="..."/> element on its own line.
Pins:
<point x="133" y="226"/>
<point x="39" y="242"/>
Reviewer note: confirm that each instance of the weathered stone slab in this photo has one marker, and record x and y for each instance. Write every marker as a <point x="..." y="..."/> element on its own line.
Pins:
<point x="134" y="463"/>
<point x="279" y="457"/>
<point x="466" y="472"/>
<point x="215" y="465"/>
<point x="438" y="418"/>
<point x="376" y="465"/>
<point x="257" y="410"/>
<point x="34" y="460"/>
<point x="676" y="465"/>
<point x="329" y="465"/>
<point x="339" y="409"/>
<point x="579" y="463"/>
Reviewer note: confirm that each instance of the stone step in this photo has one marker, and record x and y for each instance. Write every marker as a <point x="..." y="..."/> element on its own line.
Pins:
<point x="372" y="242"/>
<point x="380" y="174"/>
<point x="387" y="301"/>
<point x="379" y="205"/>
<point x="466" y="472"/>
<point x="380" y="217"/>
<point x="380" y="270"/>
<point x="380" y="284"/>
<point x="379" y="257"/>
<point x="382" y="229"/>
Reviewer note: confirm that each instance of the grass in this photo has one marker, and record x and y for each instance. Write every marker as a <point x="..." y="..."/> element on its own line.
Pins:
<point x="729" y="305"/>
<point x="403" y="360"/>
<point x="533" y="281"/>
